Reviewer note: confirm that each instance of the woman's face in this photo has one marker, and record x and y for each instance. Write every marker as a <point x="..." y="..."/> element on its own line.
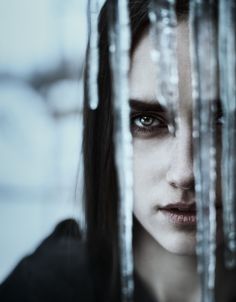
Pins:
<point x="164" y="201"/>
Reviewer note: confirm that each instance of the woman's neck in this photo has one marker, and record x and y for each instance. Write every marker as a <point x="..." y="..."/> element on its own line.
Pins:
<point x="169" y="277"/>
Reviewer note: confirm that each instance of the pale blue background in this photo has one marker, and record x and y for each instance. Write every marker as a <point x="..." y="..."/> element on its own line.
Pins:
<point x="42" y="47"/>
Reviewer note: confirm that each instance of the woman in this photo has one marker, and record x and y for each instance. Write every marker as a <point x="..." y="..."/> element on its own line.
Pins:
<point x="66" y="269"/>
<point x="164" y="201"/>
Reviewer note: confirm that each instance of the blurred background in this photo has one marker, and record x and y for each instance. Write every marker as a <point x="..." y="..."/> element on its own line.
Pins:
<point x="42" y="53"/>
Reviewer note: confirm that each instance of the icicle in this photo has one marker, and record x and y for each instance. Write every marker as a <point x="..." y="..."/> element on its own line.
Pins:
<point x="204" y="82"/>
<point x="93" y="53"/>
<point x="162" y="16"/>
<point x="119" y="48"/>
<point x="227" y="52"/>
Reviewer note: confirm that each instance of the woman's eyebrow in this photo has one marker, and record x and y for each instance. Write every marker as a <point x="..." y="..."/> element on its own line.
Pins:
<point x="156" y="106"/>
<point x="146" y="105"/>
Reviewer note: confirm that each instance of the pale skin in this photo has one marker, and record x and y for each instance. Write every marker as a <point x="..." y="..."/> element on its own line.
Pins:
<point x="163" y="173"/>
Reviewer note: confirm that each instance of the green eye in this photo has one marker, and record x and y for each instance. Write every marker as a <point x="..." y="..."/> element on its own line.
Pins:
<point x="146" y="121"/>
<point x="148" y="125"/>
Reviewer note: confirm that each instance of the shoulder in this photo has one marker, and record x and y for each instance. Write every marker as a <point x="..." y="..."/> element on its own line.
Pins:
<point x="57" y="271"/>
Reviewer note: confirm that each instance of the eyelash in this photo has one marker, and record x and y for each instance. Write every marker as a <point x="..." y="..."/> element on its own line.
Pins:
<point x="156" y="129"/>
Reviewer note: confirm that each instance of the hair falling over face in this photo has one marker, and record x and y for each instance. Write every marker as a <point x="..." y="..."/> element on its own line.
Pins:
<point x="159" y="148"/>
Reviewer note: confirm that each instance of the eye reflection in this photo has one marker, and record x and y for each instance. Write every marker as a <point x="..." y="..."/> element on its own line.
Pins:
<point x="148" y="125"/>
<point x="146" y="121"/>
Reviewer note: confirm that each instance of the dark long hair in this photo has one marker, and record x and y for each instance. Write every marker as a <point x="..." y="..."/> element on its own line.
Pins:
<point x="100" y="188"/>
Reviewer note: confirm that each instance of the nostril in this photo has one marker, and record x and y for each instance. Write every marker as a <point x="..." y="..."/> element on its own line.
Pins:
<point x="186" y="187"/>
<point x="181" y="179"/>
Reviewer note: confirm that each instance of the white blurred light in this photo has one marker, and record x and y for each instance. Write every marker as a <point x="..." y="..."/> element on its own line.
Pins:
<point x="37" y="35"/>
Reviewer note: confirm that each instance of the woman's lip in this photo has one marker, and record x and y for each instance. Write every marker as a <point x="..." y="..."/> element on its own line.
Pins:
<point x="180" y="217"/>
<point x="182" y="206"/>
<point x="181" y="214"/>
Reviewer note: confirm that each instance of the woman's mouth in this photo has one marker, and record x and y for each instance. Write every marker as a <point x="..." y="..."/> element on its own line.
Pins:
<point x="180" y="213"/>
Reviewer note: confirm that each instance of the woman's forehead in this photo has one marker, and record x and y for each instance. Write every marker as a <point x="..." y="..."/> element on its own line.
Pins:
<point x="144" y="73"/>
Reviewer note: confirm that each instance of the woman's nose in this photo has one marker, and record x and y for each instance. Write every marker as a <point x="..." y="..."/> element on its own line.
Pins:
<point x="180" y="173"/>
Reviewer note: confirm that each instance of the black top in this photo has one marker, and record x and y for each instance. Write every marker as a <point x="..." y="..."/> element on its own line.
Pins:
<point x="57" y="271"/>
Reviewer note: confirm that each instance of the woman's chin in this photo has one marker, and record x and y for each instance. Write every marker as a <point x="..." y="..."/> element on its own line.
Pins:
<point x="166" y="237"/>
<point x="173" y="240"/>
<point x="179" y="244"/>
<point x="182" y="243"/>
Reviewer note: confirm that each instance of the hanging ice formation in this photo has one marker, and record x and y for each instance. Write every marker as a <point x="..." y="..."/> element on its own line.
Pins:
<point x="93" y="53"/>
<point x="204" y="82"/>
<point x="119" y="47"/>
<point x="227" y="52"/>
<point x="203" y="47"/>
<point x="163" y="20"/>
